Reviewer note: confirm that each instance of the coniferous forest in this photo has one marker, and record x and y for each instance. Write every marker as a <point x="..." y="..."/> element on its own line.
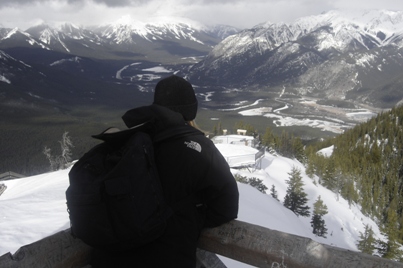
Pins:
<point x="366" y="168"/>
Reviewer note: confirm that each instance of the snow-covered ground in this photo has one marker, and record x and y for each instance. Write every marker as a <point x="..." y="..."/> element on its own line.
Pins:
<point x="35" y="207"/>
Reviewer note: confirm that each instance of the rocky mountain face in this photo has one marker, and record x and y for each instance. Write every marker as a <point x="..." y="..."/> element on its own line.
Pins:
<point x="338" y="55"/>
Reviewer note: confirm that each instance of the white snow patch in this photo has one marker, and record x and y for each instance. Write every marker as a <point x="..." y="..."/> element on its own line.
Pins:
<point x="327" y="152"/>
<point x="158" y="69"/>
<point x="361" y="116"/>
<point x="4" y="79"/>
<point x="119" y="72"/>
<point x="242" y="107"/>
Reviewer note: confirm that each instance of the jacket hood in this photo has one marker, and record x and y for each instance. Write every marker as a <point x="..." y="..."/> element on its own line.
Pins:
<point x="156" y="117"/>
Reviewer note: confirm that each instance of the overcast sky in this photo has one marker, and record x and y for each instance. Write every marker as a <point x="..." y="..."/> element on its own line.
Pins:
<point x="238" y="13"/>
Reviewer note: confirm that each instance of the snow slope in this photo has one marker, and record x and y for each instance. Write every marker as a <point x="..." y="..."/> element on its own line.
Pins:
<point x="34" y="207"/>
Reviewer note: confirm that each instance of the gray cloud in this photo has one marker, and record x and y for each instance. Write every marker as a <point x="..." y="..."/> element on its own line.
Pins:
<point x="239" y="13"/>
<point x="120" y="3"/>
<point x="111" y="3"/>
<point x="128" y="3"/>
<point x="6" y="3"/>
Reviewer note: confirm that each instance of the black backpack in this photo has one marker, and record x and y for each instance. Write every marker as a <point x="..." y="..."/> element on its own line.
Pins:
<point x="115" y="200"/>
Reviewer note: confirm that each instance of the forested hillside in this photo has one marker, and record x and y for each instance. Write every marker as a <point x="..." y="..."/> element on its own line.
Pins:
<point x="366" y="167"/>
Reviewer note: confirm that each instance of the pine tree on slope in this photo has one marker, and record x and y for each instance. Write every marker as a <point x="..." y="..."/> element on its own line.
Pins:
<point x="367" y="241"/>
<point x="295" y="198"/>
<point x="273" y="192"/>
<point x="317" y="222"/>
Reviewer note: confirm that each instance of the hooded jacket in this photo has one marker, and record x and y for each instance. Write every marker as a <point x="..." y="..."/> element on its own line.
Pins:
<point x="189" y="165"/>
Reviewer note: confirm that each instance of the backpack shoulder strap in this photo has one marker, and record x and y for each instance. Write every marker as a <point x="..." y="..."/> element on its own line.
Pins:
<point x="113" y="134"/>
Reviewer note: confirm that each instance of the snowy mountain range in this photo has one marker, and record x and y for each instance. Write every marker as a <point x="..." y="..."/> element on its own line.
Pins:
<point x="341" y="55"/>
<point x="124" y="39"/>
<point x="69" y="64"/>
<point x="337" y="55"/>
<point x="338" y="58"/>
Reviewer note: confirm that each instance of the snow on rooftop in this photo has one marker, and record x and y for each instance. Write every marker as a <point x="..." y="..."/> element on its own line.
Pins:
<point x="231" y="138"/>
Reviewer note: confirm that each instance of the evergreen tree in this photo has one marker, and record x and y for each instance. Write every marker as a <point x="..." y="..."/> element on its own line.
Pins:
<point x="254" y="182"/>
<point x="250" y="130"/>
<point x="320" y="166"/>
<point x="392" y="247"/>
<point x="215" y="131"/>
<point x="270" y="140"/>
<point x="241" y="179"/>
<point x="329" y="176"/>
<point x="310" y="168"/>
<point x="349" y="191"/>
<point x="273" y="192"/>
<point x="367" y="241"/>
<point x="317" y="222"/>
<point x="285" y="144"/>
<point x="258" y="184"/>
<point x="295" y="198"/>
<point x="298" y="150"/>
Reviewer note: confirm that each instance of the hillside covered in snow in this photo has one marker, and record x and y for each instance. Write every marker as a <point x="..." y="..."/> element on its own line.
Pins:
<point x="35" y="207"/>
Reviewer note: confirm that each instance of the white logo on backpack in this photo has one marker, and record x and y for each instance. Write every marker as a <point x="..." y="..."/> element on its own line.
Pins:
<point x="193" y="145"/>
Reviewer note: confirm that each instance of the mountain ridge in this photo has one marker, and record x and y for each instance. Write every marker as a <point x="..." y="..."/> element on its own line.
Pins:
<point x="316" y="56"/>
<point x="99" y="75"/>
<point x="130" y="38"/>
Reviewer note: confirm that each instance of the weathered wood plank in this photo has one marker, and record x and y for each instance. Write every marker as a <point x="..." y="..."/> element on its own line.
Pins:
<point x="244" y="242"/>
<point x="262" y="247"/>
<point x="60" y="250"/>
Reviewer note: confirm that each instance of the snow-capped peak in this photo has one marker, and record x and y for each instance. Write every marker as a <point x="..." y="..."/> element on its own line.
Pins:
<point x="336" y="29"/>
<point x="156" y="21"/>
<point x="69" y="27"/>
<point x="153" y="28"/>
<point x="371" y="21"/>
<point x="11" y="33"/>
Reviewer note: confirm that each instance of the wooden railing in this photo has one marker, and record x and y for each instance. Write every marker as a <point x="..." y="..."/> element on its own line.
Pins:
<point x="263" y="247"/>
<point x="241" y="241"/>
